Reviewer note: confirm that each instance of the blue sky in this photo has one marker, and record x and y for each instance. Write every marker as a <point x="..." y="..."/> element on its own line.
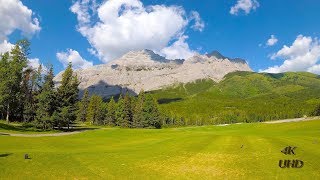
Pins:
<point x="242" y="33"/>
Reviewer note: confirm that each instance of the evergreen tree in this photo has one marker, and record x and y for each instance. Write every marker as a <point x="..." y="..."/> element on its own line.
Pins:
<point x="68" y="96"/>
<point x="150" y="113"/>
<point x="31" y="85"/>
<point x="96" y="110"/>
<point x="12" y="66"/>
<point x="137" y="111"/>
<point x="119" y="111"/>
<point x="124" y="111"/>
<point x="83" y="107"/>
<point x="316" y="111"/>
<point x="110" y="117"/>
<point x="46" y="105"/>
<point x="27" y="93"/>
<point x="5" y="84"/>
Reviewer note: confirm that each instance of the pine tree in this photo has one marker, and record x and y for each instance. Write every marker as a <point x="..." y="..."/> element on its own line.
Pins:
<point x="127" y="111"/>
<point x="19" y="61"/>
<point x="12" y="66"/>
<point x="96" y="110"/>
<point x="5" y="84"/>
<point x="110" y="117"/>
<point x="46" y="105"/>
<point x="119" y="111"/>
<point x="68" y="96"/>
<point x="27" y="93"/>
<point x="150" y="113"/>
<point x="124" y="111"/>
<point x="137" y="111"/>
<point x="83" y="107"/>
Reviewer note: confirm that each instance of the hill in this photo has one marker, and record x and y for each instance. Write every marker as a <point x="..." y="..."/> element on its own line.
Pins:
<point x="241" y="97"/>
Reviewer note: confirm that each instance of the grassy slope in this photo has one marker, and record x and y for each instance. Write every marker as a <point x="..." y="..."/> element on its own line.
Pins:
<point x="271" y="96"/>
<point x="190" y="152"/>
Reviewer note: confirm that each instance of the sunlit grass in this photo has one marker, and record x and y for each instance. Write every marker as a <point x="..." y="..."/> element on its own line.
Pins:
<point x="234" y="151"/>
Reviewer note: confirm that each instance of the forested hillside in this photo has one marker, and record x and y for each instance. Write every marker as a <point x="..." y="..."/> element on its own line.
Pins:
<point x="241" y="97"/>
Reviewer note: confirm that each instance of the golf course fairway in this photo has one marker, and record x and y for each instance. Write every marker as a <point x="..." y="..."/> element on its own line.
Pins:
<point x="239" y="151"/>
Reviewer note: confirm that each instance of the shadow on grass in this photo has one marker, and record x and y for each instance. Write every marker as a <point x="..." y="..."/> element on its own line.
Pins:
<point x="75" y="128"/>
<point x="5" y="155"/>
<point x="11" y="127"/>
<point x="4" y="134"/>
<point x="23" y="128"/>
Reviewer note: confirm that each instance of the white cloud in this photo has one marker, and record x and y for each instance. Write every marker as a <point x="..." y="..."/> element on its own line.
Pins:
<point x="244" y="5"/>
<point x="118" y="26"/>
<point x="34" y="63"/>
<point x="272" y="41"/>
<point x="314" y="69"/>
<point x="5" y="46"/>
<point x="302" y="55"/>
<point x="199" y="24"/>
<point x="14" y="15"/>
<point x="179" y="49"/>
<point x="74" y="57"/>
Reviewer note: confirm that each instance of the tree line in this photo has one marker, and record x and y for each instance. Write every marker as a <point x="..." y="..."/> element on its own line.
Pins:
<point x="30" y="95"/>
<point x="129" y="111"/>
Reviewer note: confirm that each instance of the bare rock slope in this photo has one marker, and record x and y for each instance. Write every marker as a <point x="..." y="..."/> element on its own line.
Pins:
<point x="146" y="70"/>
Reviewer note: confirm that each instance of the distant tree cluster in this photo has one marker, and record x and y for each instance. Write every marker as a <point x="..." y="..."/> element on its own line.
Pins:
<point x="128" y="111"/>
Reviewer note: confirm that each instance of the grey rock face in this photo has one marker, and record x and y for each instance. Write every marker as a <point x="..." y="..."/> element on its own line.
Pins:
<point x="146" y="70"/>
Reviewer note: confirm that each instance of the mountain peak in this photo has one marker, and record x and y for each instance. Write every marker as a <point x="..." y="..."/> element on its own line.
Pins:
<point x="143" y="57"/>
<point x="216" y="54"/>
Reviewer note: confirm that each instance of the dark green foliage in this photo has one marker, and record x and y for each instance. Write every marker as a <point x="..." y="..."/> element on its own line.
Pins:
<point x="138" y="118"/>
<point x="46" y="105"/>
<point x="150" y="112"/>
<point x="31" y="86"/>
<point x="25" y="97"/>
<point x="131" y="112"/>
<point x="96" y="110"/>
<point x="12" y="67"/>
<point x="68" y="97"/>
<point x="110" y="117"/>
<point x="316" y="111"/>
<point x="83" y="107"/>
<point x="124" y="112"/>
<point x="119" y="111"/>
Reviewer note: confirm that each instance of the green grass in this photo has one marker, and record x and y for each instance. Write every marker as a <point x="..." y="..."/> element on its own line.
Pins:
<point x="208" y="152"/>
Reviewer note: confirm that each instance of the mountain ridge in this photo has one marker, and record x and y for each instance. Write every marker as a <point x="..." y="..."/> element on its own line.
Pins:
<point x="144" y="69"/>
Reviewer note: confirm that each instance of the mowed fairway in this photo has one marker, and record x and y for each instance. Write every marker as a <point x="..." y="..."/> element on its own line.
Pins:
<point x="208" y="152"/>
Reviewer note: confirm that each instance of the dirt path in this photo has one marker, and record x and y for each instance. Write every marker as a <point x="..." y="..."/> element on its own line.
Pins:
<point x="292" y="120"/>
<point x="42" y="135"/>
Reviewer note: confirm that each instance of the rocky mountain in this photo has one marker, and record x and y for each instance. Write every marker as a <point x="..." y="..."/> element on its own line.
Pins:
<point x="147" y="70"/>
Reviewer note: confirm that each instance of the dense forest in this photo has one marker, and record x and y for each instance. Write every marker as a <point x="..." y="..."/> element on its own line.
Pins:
<point x="242" y="97"/>
<point x="30" y="96"/>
